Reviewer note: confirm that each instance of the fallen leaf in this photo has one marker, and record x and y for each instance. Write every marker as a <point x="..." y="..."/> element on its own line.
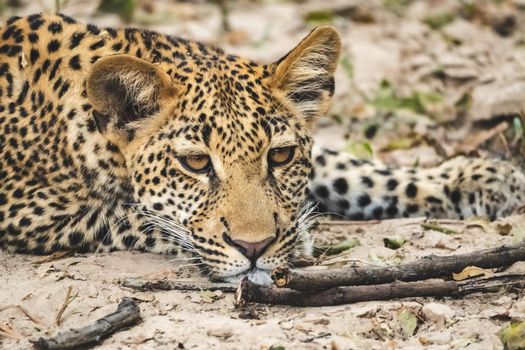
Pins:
<point x="513" y="336"/>
<point x="504" y="229"/>
<point x="223" y="332"/>
<point x="408" y="322"/>
<point x="470" y="272"/>
<point x="320" y="17"/>
<point x="436" y="227"/>
<point x="383" y="331"/>
<point x="277" y="347"/>
<point x="394" y="242"/>
<point x="335" y="249"/>
<point x="209" y="296"/>
<point x="518" y="234"/>
<point x="439" y="20"/>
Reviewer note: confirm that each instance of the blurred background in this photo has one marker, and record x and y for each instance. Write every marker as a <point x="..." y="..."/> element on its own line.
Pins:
<point x="419" y="81"/>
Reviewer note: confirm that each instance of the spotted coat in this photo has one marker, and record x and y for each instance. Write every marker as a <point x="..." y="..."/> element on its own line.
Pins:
<point x="130" y="139"/>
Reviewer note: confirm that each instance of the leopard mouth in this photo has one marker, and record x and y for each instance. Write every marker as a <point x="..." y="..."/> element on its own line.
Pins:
<point x="254" y="274"/>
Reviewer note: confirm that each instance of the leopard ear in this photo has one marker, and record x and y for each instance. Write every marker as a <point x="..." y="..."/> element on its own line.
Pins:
<point x="124" y="89"/>
<point x="306" y="74"/>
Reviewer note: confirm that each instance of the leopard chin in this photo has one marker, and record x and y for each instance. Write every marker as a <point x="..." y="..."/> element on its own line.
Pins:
<point x="255" y="275"/>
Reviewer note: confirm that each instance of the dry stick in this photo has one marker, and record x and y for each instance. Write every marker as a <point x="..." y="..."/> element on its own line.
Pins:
<point x="54" y="257"/>
<point x="431" y="266"/>
<point x="31" y="317"/>
<point x="140" y="284"/>
<point x="7" y="331"/>
<point x="127" y="313"/>
<point x="251" y="292"/>
<point x="67" y="301"/>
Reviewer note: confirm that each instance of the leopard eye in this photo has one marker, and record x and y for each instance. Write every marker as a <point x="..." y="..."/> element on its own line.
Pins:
<point x="280" y="156"/>
<point x="199" y="163"/>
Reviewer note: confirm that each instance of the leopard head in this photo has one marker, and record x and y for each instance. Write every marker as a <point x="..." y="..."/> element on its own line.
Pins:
<point x="218" y="147"/>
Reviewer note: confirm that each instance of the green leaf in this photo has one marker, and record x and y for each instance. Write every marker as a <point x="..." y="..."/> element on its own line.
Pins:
<point x="419" y="102"/>
<point x="408" y="322"/>
<point x="434" y="226"/>
<point x="426" y="101"/>
<point x="361" y="150"/>
<point x="397" y="6"/>
<point x="335" y="249"/>
<point x="439" y="20"/>
<point x="513" y="336"/>
<point x="123" y="8"/>
<point x="518" y="126"/>
<point x="320" y="17"/>
<point x="348" y="66"/>
<point x="401" y="143"/>
<point x="394" y="242"/>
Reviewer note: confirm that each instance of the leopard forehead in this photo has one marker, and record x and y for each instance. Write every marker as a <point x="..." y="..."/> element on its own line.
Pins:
<point x="230" y="111"/>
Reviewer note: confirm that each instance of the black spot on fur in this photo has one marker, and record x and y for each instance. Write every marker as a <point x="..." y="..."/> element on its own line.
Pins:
<point x="411" y="190"/>
<point x="321" y="191"/>
<point x="74" y="62"/>
<point x="53" y="45"/>
<point x="364" y="200"/>
<point x="391" y="184"/>
<point x="75" y="238"/>
<point x="340" y="185"/>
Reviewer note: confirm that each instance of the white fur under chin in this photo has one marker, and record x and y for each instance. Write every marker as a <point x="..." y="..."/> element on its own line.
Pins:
<point x="256" y="276"/>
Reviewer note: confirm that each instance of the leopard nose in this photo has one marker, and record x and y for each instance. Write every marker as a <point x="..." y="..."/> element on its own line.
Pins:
<point x="252" y="250"/>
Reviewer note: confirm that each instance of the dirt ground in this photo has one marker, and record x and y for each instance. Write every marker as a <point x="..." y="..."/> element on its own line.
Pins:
<point x="33" y="293"/>
<point x="419" y="82"/>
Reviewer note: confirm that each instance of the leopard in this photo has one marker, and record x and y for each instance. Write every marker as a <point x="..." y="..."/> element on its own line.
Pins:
<point x="129" y="139"/>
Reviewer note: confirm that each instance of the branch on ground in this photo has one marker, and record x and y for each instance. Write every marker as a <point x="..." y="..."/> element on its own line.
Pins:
<point x="251" y="292"/>
<point x="127" y="314"/>
<point x="143" y="285"/>
<point x="431" y="266"/>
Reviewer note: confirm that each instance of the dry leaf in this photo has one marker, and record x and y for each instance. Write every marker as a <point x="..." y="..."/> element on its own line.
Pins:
<point x="223" y="333"/>
<point x="408" y="322"/>
<point x="470" y="272"/>
<point x="504" y="229"/>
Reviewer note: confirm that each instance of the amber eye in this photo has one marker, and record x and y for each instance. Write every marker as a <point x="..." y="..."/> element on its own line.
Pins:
<point x="199" y="163"/>
<point x="280" y="155"/>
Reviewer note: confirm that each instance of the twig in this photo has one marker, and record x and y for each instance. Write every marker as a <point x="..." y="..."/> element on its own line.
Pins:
<point x="54" y="257"/>
<point x="7" y="331"/>
<point x="31" y="317"/>
<point x="431" y="266"/>
<point x="250" y="292"/>
<point x="67" y="301"/>
<point x="140" y="284"/>
<point x="128" y="313"/>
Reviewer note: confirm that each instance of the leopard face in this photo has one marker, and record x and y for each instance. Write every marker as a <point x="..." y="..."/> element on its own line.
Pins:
<point x="219" y="162"/>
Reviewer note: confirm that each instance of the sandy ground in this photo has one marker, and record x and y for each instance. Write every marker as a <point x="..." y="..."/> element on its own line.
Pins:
<point x="394" y="64"/>
<point x="32" y="294"/>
